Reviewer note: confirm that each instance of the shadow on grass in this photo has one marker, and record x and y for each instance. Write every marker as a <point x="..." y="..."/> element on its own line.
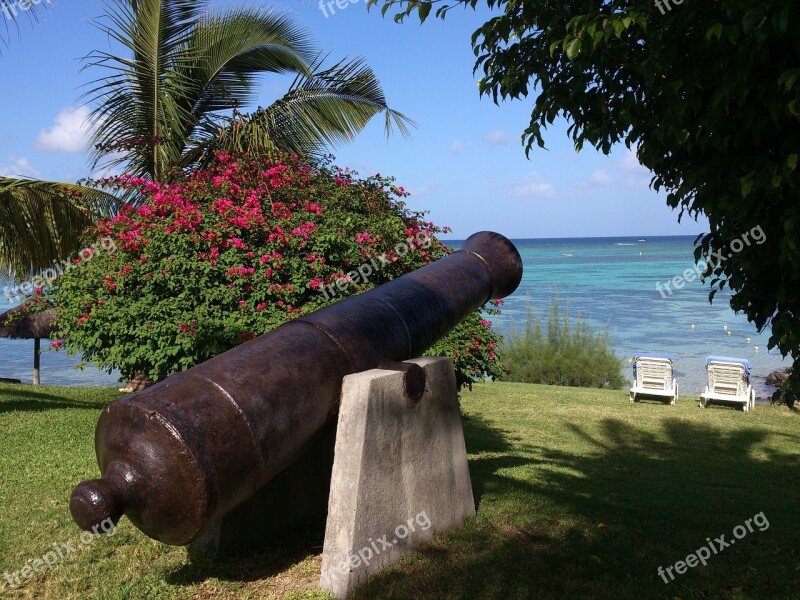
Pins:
<point x="14" y="399"/>
<point x="267" y="561"/>
<point x="597" y="522"/>
<point x="276" y="557"/>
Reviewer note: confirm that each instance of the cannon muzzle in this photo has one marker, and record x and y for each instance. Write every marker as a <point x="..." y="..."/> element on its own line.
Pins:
<point x="184" y="452"/>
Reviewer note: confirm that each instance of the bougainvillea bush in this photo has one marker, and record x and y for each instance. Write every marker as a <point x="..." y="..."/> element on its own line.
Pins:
<point x="222" y="255"/>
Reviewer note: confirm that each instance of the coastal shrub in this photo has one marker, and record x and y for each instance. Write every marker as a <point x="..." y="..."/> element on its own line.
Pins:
<point x="219" y="256"/>
<point x="566" y="352"/>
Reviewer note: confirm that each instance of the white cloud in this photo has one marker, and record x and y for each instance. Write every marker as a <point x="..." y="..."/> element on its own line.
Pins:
<point x="19" y="167"/>
<point x="457" y="147"/>
<point x="423" y="189"/>
<point x="108" y="171"/>
<point x="532" y="187"/>
<point x="600" y="178"/>
<point x="629" y="162"/>
<point x="642" y="181"/>
<point x="637" y="175"/>
<point x="498" y="137"/>
<point x="70" y="133"/>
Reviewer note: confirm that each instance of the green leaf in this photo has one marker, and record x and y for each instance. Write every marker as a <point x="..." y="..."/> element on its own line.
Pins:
<point x="573" y="48"/>
<point x="714" y="31"/>
<point x="788" y="79"/>
<point x="424" y="10"/>
<point x="753" y="19"/>
<point x="746" y="185"/>
<point x="619" y="28"/>
<point x="780" y="21"/>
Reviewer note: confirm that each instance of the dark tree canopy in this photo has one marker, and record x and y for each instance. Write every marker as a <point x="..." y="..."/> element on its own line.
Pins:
<point x="706" y="91"/>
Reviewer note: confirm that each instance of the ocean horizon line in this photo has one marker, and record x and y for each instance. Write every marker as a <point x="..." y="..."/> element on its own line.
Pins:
<point x="683" y="236"/>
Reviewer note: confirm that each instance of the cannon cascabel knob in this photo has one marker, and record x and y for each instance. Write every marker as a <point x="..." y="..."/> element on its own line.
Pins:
<point x="101" y="500"/>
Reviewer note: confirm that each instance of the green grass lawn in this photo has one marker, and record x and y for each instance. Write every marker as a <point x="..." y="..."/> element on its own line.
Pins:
<point x="580" y="494"/>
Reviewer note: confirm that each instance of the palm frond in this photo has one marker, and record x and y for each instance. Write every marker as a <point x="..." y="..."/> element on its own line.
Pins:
<point x="42" y="222"/>
<point x="137" y="103"/>
<point x="184" y="66"/>
<point x="328" y="108"/>
<point x="233" y="48"/>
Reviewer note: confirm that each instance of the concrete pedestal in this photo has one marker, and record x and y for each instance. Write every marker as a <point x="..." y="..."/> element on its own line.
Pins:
<point x="400" y="472"/>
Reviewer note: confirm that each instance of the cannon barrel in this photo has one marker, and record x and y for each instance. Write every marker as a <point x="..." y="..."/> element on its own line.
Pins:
<point x="184" y="452"/>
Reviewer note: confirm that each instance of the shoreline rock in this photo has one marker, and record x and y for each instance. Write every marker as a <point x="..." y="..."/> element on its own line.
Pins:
<point x="776" y="378"/>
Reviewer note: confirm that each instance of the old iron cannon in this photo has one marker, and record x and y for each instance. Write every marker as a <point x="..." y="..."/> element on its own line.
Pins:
<point x="186" y="451"/>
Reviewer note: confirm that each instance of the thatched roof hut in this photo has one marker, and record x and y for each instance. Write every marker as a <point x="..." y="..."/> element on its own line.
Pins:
<point x="38" y="325"/>
<point x="35" y="326"/>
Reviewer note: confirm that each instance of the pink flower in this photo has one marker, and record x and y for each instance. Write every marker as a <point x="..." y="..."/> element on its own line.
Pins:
<point x="314" y="208"/>
<point x="363" y="237"/>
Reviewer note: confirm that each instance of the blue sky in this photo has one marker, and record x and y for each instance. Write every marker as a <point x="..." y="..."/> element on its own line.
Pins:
<point x="465" y="163"/>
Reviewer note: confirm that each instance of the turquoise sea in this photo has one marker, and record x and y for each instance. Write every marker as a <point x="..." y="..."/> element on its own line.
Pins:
<point x="611" y="281"/>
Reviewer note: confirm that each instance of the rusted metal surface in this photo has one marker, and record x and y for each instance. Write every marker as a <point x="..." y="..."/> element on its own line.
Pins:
<point x="186" y="451"/>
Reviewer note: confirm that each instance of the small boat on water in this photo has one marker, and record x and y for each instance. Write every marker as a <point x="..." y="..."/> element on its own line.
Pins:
<point x="571" y="253"/>
<point x="642" y="240"/>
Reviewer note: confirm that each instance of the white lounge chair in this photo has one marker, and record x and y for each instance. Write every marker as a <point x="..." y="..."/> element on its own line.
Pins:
<point x="728" y="383"/>
<point x="652" y="376"/>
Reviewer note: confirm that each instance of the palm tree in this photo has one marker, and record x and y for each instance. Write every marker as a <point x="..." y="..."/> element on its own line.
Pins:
<point x="171" y="101"/>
